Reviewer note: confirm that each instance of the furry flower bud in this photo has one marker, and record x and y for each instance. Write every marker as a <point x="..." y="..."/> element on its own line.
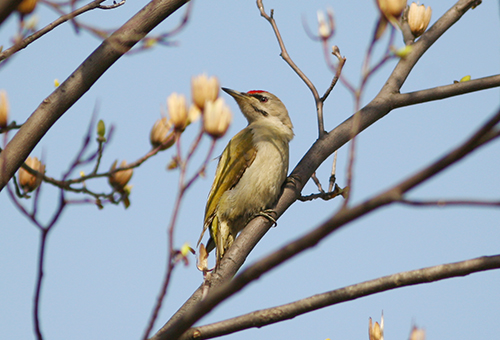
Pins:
<point x="26" y="6"/>
<point x="391" y="8"/>
<point x="162" y="134"/>
<point x="204" y="89"/>
<point x="418" y="18"/>
<point x="177" y="109"/>
<point x="119" y="179"/>
<point x="216" y="118"/>
<point x="27" y="181"/>
<point x="4" y="109"/>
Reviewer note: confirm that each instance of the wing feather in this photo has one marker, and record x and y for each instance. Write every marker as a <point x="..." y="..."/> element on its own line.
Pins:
<point x="238" y="155"/>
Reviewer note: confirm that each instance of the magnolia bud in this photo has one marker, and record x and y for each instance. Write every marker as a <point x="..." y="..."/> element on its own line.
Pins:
<point x="162" y="134"/>
<point x="204" y="89"/>
<point x="4" y="109"/>
<point x="376" y="331"/>
<point x="177" y="110"/>
<point x="26" y="6"/>
<point x="325" y="28"/>
<point x="119" y="179"/>
<point x="194" y="113"/>
<point x="27" y="181"/>
<point x="417" y="334"/>
<point x="101" y="128"/>
<point x="418" y="18"/>
<point x="391" y="8"/>
<point x="216" y="118"/>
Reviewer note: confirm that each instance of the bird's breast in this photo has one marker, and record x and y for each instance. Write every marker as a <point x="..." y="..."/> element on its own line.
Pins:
<point x="261" y="182"/>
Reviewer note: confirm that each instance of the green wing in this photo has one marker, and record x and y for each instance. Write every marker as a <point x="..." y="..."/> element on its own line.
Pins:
<point x="238" y="155"/>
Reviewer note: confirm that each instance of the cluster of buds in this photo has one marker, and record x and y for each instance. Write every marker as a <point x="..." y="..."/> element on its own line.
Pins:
<point x="28" y="181"/>
<point x="4" y="109"/>
<point x="216" y="114"/>
<point x="205" y="102"/>
<point x="419" y="17"/>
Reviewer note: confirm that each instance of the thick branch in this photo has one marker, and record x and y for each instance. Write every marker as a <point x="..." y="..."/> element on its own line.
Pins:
<point x="64" y="96"/>
<point x="290" y="310"/>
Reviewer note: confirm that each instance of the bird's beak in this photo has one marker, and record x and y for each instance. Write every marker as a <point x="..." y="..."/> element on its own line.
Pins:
<point x="233" y="93"/>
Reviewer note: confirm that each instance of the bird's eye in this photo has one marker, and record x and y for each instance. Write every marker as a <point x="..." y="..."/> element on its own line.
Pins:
<point x="263" y="99"/>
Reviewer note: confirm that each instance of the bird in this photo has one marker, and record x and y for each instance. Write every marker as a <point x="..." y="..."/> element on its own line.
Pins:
<point x="251" y="169"/>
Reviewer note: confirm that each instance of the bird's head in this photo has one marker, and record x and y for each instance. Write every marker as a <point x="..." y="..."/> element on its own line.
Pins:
<point x="259" y="105"/>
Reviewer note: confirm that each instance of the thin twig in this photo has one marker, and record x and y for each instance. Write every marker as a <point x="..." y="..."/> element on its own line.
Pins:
<point x="183" y="186"/>
<point x="450" y="203"/>
<point x="28" y="40"/>
<point x="284" y="54"/>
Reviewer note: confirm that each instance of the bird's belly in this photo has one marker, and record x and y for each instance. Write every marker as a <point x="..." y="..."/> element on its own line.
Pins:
<point x="259" y="185"/>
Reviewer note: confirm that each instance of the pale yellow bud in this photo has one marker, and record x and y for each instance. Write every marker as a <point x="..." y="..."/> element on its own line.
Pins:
<point x="216" y="118"/>
<point x="202" y="261"/>
<point x="26" y="6"/>
<point x="204" y="89"/>
<point x="119" y="179"/>
<point x="417" y="334"/>
<point x="31" y="24"/>
<point x="194" y="114"/>
<point x="4" y="109"/>
<point x="162" y="134"/>
<point x="391" y="8"/>
<point x="325" y="27"/>
<point x="418" y="18"/>
<point x="27" y="181"/>
<point x="376" y="331"/>
<point x="177" y="110"/>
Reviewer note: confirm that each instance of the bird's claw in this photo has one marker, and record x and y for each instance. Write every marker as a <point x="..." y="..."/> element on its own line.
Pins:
<point x="266" y="214"/>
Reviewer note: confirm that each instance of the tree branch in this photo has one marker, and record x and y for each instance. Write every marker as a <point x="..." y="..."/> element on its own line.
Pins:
<point x="446" y="91"/>
<point x="288" y="311"/>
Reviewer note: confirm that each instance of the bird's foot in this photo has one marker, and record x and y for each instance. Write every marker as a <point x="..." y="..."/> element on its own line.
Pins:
<point x="267" y="214"/>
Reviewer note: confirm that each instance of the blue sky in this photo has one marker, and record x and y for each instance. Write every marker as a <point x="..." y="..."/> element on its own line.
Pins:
<point x="104" y="267"/>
